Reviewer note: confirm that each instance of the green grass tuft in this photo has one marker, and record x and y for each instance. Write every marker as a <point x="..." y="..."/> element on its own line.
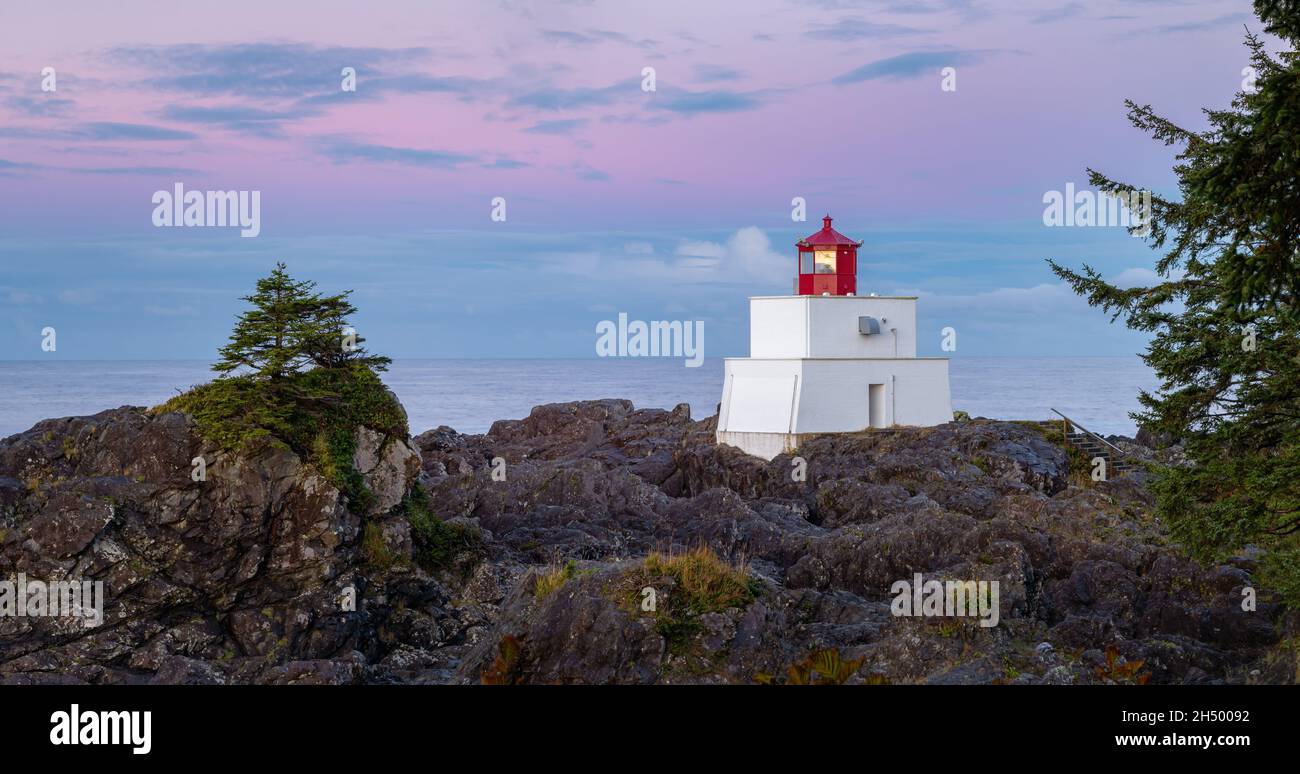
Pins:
<point x="700" y="582"/>
<point x="551" y="582"/>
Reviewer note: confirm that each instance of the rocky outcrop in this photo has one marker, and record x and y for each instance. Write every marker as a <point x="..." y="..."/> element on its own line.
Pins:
<point x="388" y="465"/>
<point x="236" y="570"/>
<point x="532" y="568"/>
<point x="1081" y="567"/>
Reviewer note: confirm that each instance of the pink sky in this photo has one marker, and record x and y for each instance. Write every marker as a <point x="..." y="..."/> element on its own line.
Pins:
<point x="674" y="204"/>
<point x="1037" y="100"/>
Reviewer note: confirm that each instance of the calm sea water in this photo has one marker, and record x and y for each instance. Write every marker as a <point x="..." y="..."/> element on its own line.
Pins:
<point x="470" y="394"/>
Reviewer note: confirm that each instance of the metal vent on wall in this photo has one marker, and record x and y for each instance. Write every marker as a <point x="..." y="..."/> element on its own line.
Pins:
<point x="868" y="326"/>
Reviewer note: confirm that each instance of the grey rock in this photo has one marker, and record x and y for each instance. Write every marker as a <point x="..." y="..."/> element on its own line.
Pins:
<point x="259" y="574"/>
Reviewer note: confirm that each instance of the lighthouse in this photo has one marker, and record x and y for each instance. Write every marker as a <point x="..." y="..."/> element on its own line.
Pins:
<point x="827" y="360"/>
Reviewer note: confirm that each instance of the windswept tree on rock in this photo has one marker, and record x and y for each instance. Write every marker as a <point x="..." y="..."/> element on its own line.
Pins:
<point x="291" y="327"/>
<point x="294" y="373"/>
<point x="1224" y="317"/>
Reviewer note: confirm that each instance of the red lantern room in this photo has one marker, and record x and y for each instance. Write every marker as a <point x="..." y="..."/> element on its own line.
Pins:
<point x="828" y="263"/>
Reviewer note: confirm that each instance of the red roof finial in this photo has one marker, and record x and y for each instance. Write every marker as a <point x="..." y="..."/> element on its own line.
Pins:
<point x="827" y="236"/>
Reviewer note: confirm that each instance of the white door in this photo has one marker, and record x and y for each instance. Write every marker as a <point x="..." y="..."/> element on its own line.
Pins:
<point x="876" y="405"/>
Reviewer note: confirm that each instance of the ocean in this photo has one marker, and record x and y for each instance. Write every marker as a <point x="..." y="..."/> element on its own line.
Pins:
<point x="469" y="395"/>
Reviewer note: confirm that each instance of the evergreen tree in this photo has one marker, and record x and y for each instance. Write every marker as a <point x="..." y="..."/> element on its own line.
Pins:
<point x="1224" y="317"/>
<point x="291" y="327"/>
<point x="267" y="339"/>
<point x="330" y="342"/>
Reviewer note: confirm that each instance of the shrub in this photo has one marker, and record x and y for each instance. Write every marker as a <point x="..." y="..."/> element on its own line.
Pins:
<point x="704" y="583"/>
<point x="374" y="549"/>
<point x="438" y="544"/>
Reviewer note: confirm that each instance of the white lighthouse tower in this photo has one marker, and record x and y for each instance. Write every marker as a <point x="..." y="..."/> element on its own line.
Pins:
<point x="826" y="360"/>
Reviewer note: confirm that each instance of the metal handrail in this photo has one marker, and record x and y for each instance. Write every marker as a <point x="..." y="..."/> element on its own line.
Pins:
<point x="1069" y="421"/>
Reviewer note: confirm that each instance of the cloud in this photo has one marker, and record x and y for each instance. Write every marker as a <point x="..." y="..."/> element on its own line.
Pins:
<point x="685" y="102"/>
<point x="20" y="296"/>
<point x="707" y="73"/>
<point x="911" y="65"/>
<point x="170" y="311"/>
<point x="294" y="81"/>
<point x="136" y="170"/>
<point x="111" y="130"/>
<point x="591" y="174"/>
<point x="78" y="296"/>
<point x="9" y="167"/>
<point x="107" y="131"/>
<point x="343" y="151"/>
<point x="128" y="170"/>
<point x="12" y="166"/>
<point x="419" y="83"/>
<point x="504" y="163"/>
<point x="1135" y="278"/>
<point x="710" y="251"/>
<point x="1042" y="301"/>
<point x="564" y="126"/>
<point x="593" y="37"/>
<point x="259" y="70"/>
<point x="1205" y="24"/>
<point x="1057" y="14"/>
<point x="848" y="30"/>
<point x="552" y="98"/>
<point x="370" y="87"/>
<point x="40" y="107"/>
<point x="968" y="8"/>
<point x="285" y="82"/>
<point x="246" y="120"/>
<point x="31" y="133"/>
<point x="746" y="255"/>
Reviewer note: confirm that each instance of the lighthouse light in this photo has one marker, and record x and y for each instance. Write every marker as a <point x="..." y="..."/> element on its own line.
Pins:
<point x="825" y="260"/>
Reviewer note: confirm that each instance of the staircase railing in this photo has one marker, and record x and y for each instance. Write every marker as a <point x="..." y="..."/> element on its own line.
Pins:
<point x="1070" y="422"/>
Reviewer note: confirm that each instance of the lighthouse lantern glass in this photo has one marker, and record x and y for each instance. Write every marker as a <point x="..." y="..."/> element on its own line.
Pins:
<point x="825" y="261"/>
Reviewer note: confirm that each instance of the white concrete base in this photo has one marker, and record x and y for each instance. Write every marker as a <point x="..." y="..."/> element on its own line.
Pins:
<point x="769" y="404"/>
<point x="765" y="445"/>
